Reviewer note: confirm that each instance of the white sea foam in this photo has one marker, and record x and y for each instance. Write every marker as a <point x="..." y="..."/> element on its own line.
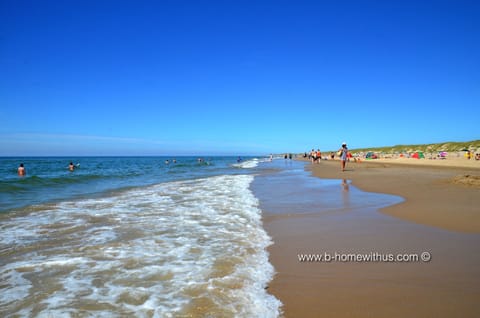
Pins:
<point x="160" y="251"/>
<point x="249" y="164"/>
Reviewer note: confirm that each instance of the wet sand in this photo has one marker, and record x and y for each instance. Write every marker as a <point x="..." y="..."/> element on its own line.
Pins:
<point x="439" y="215"/>
<point x="436" y="194"/>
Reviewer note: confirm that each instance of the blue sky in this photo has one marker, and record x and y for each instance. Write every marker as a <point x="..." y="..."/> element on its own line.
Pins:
<point x="235" y="77"/>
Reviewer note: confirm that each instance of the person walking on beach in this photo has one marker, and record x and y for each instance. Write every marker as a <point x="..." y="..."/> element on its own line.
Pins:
<point x="343" y="155"/>
<point x="21" y="170"/>
<point x="313" y="155"/>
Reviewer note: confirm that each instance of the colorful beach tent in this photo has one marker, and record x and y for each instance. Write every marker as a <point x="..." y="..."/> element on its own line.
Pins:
<point x="418" y="155"/>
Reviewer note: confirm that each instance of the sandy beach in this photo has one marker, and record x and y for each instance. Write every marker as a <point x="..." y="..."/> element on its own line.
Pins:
<point x="440" y="193"/>
<point x="438" y="214"/>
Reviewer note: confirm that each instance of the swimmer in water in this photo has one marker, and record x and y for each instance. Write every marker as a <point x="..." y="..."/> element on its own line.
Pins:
<point x="21" y="170"/>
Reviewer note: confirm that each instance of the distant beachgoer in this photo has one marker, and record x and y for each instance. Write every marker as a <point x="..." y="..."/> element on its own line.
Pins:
<point x="239" y="159"/>
<point x="343" y="155"/>
<point x="167" y="162"/>
<point x="71" y="166"/>
<point x="318" y="155"/>
<point x="271" y="157"/>
<point x="174" y="160"/>
<point x="332" y="155"/>
<point x="21" y="170"/>
<point x="313" y="155"/>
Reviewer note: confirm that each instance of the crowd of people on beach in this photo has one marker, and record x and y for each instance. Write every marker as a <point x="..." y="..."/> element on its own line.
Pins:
<point x="469" y="155"/>
<point x="315" y="156"/>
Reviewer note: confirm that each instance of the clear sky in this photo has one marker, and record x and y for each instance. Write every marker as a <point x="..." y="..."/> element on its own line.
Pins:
<point x="235" y="76"/>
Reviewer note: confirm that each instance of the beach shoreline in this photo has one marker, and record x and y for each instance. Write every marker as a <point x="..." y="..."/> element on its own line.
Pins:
<point x="437" y="215"/>
<point x="437" y="193"/>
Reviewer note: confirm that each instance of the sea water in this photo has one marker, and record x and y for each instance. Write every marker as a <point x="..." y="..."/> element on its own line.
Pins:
<point x="133" y="237"/>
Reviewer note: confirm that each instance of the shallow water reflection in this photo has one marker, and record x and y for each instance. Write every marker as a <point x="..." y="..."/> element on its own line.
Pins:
<point x="295" y="191"/>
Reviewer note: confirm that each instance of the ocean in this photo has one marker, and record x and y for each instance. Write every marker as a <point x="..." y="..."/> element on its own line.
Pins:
<point x="134" y="237"/>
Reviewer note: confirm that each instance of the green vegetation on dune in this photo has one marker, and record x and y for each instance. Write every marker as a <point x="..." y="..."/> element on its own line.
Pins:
<point x="428" y="148"/>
